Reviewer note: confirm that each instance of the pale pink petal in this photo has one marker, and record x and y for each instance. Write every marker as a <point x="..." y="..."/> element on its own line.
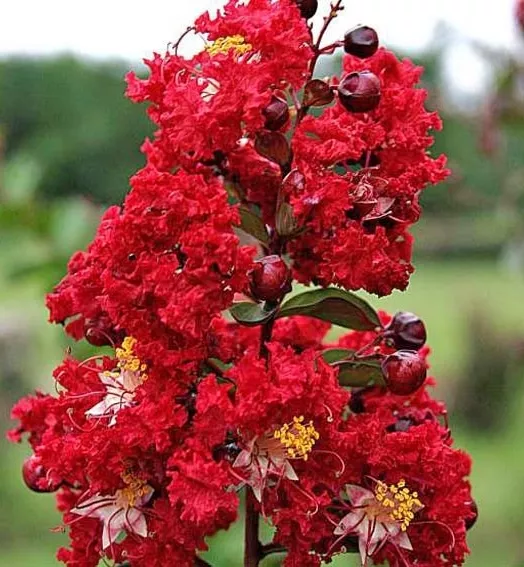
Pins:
<point x="257" y="490"/>
<point x="363" y="550"/>
<point x="402" y="540"/>
<point x="349" y="522"/>
<point x="263" y="465"/>
<point x="243" y="459"/>
<point x="289" y="471"/>
<point x="113" y="525"/>
<point x="136" y="522"/>
<point x="94" y="506"/>
<point x="106" y="512"/>
<point x="108" y="378"/>
<point x="358" y="495"/>
<point x="131" y="380"/>
<point x="369" y="541"/>
<point x="98" y="410"/>
<point x="380" y="533"/>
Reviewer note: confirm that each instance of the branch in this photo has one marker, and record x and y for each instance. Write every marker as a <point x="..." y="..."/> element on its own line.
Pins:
<point x="252" y="547"/>
<point x="270" y="548"/>
<point x="317" y="51"/>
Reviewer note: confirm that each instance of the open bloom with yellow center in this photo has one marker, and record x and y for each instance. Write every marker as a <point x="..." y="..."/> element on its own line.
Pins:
<point x="223" y="45"/>
<point x="270" y="454"/>
<point x="120" y="511"/>
<point x="378" y="517"/>
<point x="121" y="383"/>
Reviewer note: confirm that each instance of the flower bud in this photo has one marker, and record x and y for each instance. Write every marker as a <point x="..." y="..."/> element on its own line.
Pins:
<point x="308" y="8"/>
<point x="404" y="372"/>
<point x="359" y="91"/>
<point x="101" y="332"/>
<point x="35" y="476"/>
<point x="362" y="42"/>
<point x="407" y="331"/>
<point x="276" y="113"/>
<point x="270" y="279"/>
<point x="472" y="519"/>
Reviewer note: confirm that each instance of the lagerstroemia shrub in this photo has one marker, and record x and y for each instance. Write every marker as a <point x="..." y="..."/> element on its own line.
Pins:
<point x="215" y="380"/>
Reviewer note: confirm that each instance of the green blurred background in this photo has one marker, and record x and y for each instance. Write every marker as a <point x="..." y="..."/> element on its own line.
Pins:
<point x="68" y="143"/>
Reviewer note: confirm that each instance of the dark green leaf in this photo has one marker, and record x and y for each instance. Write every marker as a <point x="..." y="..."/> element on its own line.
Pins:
<point x="253" y="225"/>
<point x="251" y="314"/>
<point x="337" y="354"/>
<point x="215" y="364"/>
<point x="334" y="305"/>
<point x="359" y="373"/>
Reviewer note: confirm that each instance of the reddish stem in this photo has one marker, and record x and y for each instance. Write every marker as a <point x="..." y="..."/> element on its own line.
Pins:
<point x="252" y="547"/>
<point x="317" y="51"/>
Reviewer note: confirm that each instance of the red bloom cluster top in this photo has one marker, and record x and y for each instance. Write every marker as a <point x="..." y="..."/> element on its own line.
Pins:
<point x="258" y="173"/>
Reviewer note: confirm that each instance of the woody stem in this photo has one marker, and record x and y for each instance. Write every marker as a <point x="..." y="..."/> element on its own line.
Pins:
<point x="253" y="551"/>
<point x="252" y="547"/>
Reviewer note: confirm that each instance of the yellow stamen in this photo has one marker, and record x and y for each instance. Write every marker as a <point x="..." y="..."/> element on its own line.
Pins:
<point x="298" y="438"/>
<point x="127" y="360"/>
<point x="398" y="502"/>
<point x="223" y="45"/>
<point x="136" y="488"/>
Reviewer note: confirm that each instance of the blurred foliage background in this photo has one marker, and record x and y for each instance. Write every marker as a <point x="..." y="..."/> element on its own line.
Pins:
<point x="68" y="143"/>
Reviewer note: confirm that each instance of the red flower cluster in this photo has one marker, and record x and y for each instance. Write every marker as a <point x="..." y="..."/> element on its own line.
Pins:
<point x="340" y="445"/>
<point x="364" y="172"/>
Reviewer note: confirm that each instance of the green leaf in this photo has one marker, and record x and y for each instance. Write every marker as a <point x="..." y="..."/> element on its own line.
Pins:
<point x="214" y="363"/>
<point x="359" y="373"/>
<point x="334" y="305"/>
<point x="251" y="314"/>
<point x="331" y="355"/>
<point x="253" y="225"/>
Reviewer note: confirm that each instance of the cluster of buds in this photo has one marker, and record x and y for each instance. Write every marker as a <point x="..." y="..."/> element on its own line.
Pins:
<point x="216" y="376"/>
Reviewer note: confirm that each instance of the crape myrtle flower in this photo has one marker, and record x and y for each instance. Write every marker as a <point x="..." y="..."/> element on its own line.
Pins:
<point x="173" y="239"/>
<point x="214" y="381"/>
<point x="120" y="511"/>
<point x="120" y="384"/>
<point x="210" y="101"/>
<point x="378" y="517"/>
<point x="357" y="217"/>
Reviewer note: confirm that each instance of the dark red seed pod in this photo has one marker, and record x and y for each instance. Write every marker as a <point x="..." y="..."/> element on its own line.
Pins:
<point x="270" y="279"/>
<point x="100" y="332"/>
<point x="361" y="42"/>
<point x="472" y="519"/>
<point x="35" y="476"/>
<point x="359" y="91"/>
<point x="404" y="372"/>
<point x="308" y="8"/>
<point x="276" y="113"/>
<point x="407" y="331"/>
